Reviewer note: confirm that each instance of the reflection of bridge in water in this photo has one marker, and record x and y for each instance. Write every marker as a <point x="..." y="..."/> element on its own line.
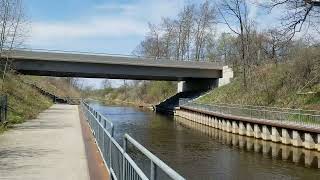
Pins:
<point x="276" y="151"/>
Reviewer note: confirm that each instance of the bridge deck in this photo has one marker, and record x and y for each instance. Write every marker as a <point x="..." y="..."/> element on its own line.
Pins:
<point x="111" y="66"/>
<point x="112" y="59"/>
<point x="49" y="147"/>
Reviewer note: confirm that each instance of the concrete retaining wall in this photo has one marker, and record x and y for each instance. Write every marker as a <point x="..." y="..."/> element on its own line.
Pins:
<point x="284" y="135"/>
<point x="274" y="150"/>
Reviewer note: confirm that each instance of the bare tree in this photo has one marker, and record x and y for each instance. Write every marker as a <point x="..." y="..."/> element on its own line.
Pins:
<point x="184" y="32"/>
<point x="11" y="20"/>
<point x="168" y="27"/>
<point x="106" y="84"/>
<point x="297" y="14"/>
<point x="204" y="22"/>
<point x="238" y="23"/>
<point x="183" y="38"/>
<point x="275" y="44"/>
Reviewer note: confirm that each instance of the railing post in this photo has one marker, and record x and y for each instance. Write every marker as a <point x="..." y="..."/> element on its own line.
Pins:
<point x="300" y="116"/>
<point x="110" y="152"/>
<point x="112" y="130"/>
<point x="123" y="158"/>
<point x="153" y="173"/>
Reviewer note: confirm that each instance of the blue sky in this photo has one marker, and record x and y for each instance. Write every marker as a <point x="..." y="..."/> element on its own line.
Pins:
<point x="113" y="26"/>
<point x="109" y="26"/>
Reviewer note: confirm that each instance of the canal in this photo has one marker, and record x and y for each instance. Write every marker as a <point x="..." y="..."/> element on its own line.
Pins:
<point x="200" y="153"/>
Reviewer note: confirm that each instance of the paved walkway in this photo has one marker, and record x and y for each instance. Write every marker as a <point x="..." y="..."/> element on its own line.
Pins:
<point x="50" y="147"/>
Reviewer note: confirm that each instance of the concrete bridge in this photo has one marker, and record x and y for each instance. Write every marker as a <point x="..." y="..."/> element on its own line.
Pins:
<point x="195" y="75"/>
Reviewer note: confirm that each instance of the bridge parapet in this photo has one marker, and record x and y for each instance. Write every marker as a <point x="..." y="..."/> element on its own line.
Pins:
<point x="63" y="64"/>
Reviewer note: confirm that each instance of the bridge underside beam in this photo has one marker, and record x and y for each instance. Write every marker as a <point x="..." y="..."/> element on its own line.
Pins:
<point x="112" y="71"/>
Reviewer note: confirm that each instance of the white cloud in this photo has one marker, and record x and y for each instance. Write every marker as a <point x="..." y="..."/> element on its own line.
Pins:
<point x="145" y="9"/>
<point x="94" y="27"/>
<point x="112" y="20"/>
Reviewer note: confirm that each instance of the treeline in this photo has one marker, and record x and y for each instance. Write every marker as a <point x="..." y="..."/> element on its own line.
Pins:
<point x="193" y="35"/>
<point x="133" y="92"/>
<point x="266" y="60"/>
<point x="185" y="38"/>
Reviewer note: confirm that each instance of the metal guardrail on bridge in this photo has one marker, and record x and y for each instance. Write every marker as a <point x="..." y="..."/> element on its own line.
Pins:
<point x="303" y="117"/>
<point x="119" y="162"/>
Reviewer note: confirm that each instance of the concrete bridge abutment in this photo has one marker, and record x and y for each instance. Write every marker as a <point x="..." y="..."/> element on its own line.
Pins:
<point x="197" y="85"/>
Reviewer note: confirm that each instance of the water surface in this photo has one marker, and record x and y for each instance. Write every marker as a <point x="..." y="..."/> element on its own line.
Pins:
<point x="199" y="152"/>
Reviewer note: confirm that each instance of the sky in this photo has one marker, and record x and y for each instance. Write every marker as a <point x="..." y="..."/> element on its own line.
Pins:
<point x="107" y="26"/>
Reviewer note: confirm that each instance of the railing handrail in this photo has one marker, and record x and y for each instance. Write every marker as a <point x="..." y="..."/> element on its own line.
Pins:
<point x="104" y="118"/>
<point x="136" y="168"/>
<point x="154" y="159"/>
<point x="265" y="107"/>
<point x="260" y="110"/>
<point x="298" y="118"/>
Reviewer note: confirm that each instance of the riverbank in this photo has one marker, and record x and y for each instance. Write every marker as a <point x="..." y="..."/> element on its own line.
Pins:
<point x="26" y="102"/>
<point x="280" y="85"/>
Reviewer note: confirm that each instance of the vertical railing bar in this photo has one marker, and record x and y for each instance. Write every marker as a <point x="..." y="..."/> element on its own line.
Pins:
<point x="153" y="169"/>
<point x="123" y="158"/>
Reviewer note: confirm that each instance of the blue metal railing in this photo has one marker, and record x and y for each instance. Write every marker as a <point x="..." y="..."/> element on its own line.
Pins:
<point x="116" y="158"/>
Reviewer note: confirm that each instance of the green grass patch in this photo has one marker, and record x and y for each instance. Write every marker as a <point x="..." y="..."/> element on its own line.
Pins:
<point x="269" y="85"/>
<point x="24" y="101"/>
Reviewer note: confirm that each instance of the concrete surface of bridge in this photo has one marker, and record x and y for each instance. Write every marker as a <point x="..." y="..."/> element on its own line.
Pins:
<point x="200" y="75"/>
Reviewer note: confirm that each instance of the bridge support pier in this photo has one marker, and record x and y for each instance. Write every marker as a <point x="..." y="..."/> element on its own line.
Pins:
<point x="296" y="139"/>
<point x="250" y="131"/>
<point x="275" y="135"/>
<point x="285" y="138"/>
<point x="266" y="135"/>
<point x="309" y="142"/>
<point x="235" y="127"/>
<point x="242" y="128"/>
<point x="257" y="131"/>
